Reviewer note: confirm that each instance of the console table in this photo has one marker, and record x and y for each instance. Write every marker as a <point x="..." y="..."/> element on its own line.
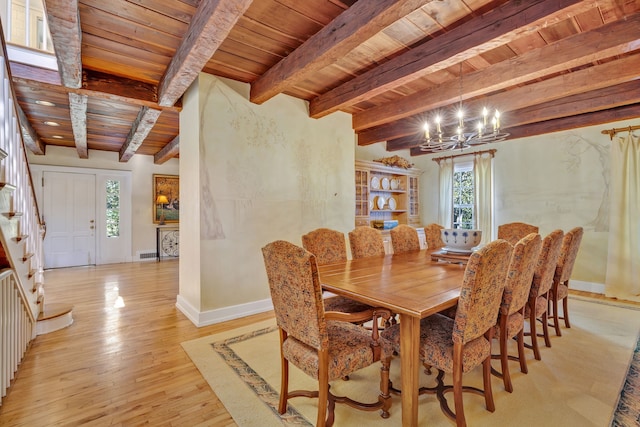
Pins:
<point x="167" y="242"/>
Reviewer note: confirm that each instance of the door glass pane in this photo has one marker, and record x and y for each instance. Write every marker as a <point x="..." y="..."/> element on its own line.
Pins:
<point x="113" y="208"/>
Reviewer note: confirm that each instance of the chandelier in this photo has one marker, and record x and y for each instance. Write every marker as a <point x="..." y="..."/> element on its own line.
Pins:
<point x="485" y="130"/>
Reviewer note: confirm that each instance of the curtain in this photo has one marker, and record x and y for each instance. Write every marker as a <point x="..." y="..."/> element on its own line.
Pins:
<point x="623" y="260"/>
<point x="445" y="213"/>
<point x="483" y="184"/>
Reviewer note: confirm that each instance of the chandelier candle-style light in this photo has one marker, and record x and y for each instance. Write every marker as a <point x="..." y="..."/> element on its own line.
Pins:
<point x="485" y="131"/>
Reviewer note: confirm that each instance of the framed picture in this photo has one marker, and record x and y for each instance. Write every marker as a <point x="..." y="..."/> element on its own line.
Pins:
<point x="166" y="199"/>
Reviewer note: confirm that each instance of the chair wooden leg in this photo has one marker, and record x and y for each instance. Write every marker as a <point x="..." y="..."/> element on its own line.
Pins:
<point x="565" y="311"/>
<point x="457" y="384"/>
<point x="486" y="378"/>
<point x="284" y="377"/>
<point x="554" y="314"/>
<point x="323" y="389"/>
<point x="545" y="329"/>
<point x="521" y="358"/>
<point x="504" y="362"/>
<point x="385" y="397"/>
<point x="534" y="334"/>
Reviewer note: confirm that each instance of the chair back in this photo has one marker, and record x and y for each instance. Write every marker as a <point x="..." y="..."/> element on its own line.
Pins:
<point x="481" y="292"/>
<point x="404" y="238"/>
<point x="433" y="236"/>
<point x="547" y="262"/>
<point x="512" y="232"/>
<point x="327" y="245"/>
<point x="520" y="273"/>
<point x="296" y="292"/>
<point x="568" y="253"/>
<point x="365" y="242"/>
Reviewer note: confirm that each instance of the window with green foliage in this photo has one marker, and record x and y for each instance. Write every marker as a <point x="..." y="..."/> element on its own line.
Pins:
<point x="463" y="196"/>
<point x="113" y="208"/>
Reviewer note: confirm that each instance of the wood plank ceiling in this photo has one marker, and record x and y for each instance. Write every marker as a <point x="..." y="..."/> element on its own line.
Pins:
<point x="547" y="65"/>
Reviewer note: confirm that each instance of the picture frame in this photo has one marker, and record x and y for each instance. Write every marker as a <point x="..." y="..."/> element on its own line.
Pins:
<point x="168" y="186"/>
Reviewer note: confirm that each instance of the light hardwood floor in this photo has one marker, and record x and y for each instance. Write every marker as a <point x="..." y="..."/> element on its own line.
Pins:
<point x="120" y="366"/>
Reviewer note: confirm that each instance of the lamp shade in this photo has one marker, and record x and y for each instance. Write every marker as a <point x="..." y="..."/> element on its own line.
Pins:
<point x="162" y="200"/>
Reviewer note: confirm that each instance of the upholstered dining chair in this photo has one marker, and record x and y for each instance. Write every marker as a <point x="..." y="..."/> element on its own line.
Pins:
<point x="433" y="236"/>
<point x="560" y="289"/>
<point x="324" y="345"/>
<point x="365" y="241"/>
<point x="461" y="344"/>
<point x="329" y="246"/>
<point x="404" y="238"/>
<point x="514" y="299"/>
<point x="537" y="305"/>
<point x="512" y="232"/>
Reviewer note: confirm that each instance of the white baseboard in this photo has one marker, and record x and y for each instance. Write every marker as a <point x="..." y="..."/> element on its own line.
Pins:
<point x="220" y="315"/>
<point x="579" y="285"/>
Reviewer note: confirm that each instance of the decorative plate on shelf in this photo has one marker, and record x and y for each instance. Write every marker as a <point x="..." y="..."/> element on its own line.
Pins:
<point x="395" y="183"/>
<point x="371" y="204"/>
<point x="380" y="202"/>
<point x="392" y="203"/>
<point x="375" y="182"/>
<point x="385" y="183"/>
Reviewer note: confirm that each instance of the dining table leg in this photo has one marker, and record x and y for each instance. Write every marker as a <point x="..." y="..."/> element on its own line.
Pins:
<point x="409" y="368"/>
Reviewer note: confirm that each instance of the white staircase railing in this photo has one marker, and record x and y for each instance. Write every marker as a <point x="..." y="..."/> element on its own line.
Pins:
<point x="21" y="237"/>
<point x="16" y="328"/>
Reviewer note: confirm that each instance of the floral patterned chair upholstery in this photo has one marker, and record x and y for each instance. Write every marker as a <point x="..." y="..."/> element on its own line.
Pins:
<point x="514" y="231"/>
<point x="324" y="345"/>
<point x="537" y="306"/>
<point x="366" y="241"/>
<point x="560" y="289"/>
<point x="461" y="344"/>
<point x="404" y="238"/>
<point x="329" y="246"/>
<point x="516" y="293"/>
<point x="433" y="236"/>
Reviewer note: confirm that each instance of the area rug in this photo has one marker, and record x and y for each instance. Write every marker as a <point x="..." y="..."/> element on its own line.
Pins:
<point x="577" y="383"/>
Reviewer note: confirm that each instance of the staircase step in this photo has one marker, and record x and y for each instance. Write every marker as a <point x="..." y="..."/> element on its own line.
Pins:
<point x="26" y="257"/>
<point x="54" y="317"/>
<point x="7" y="186"/>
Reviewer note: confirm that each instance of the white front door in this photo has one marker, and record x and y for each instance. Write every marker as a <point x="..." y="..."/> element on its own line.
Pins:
<point x="69" y="212"/>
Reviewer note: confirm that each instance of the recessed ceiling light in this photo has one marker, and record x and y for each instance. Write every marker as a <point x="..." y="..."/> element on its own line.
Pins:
<point x="52" y="123"/>
<point x="45" y="103"/>
<point x="56" y="137"/>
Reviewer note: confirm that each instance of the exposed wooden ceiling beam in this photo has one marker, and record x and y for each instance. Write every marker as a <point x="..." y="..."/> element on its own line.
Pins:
<point x="78" y="113"/>
<point x="486" y="32"/>
<point x="168" y="152"/>
<point x="112" y="88"/>
<point x="64" y="24"/>
<point x="607" y="41"/>
<point x="592" y="78"/>
<point x="209" y="27"/>
<point x="567" y="123"/>
<point x="592" y="101"/>
<point x="141" y="127"/>
<point x="29" y="135"/>
<point x="360" y="22"/>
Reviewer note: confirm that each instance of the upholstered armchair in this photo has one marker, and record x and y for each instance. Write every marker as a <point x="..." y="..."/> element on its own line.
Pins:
<point x="324" y="345"/>
<point x="366" y="241"/>
<point x="329" y="246"/>
<point x="433" y="236"/>
<point x="560" y="289"/>
<point x="404" y="238"/>
<point x="514" y="231"/>
<point x="514" y="299"/>
<point x="461" y="344"/>
<point x="537" y="306"/>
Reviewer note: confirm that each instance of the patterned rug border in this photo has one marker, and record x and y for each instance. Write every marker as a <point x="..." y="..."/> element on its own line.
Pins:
<point x="626" y="413"/>
<point x="262" y="389"/>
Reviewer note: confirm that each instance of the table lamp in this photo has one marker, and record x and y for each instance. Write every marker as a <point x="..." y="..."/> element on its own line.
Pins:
<point x="162" y="200"/>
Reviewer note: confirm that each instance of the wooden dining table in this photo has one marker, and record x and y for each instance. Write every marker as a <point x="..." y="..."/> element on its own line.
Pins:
<point x="410" y="285"/>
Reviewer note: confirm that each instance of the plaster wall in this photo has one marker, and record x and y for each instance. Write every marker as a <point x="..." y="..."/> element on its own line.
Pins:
<point x="265" y="172"/>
